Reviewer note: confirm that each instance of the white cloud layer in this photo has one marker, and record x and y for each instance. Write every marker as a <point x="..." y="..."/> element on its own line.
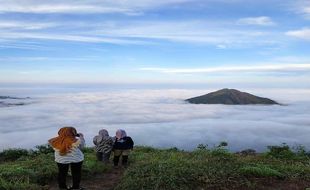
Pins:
<point x="261" y="21"/>
<point x="159" y="118"/>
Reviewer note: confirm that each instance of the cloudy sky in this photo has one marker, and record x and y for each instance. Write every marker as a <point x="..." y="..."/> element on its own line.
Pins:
<point x="164" y="41"/>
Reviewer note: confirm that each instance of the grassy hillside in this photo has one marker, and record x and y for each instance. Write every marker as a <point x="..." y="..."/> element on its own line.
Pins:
<point x="279" y="168"/>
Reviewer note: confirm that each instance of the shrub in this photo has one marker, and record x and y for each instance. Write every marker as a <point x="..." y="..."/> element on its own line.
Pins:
<point x="173" y="149"/>
<point x="301" y="151"/>
<point x="202" y="147"/>
<point x="170" y="169"/>
<point x="44" y="149"/>
<point x="260" y="171"/>
<point x="281" y="152"/>
<point x="223" y="144"/>
<point x="39" y="169"/>
<point x="88" y="150"/>
<point x="91" y="166"/>
<point x="17" y="185"/>
<point x="13" y="154"/>
<point x="145" y="149"/>
<point x="247" y="152"/>
<point x="168" y="174"/>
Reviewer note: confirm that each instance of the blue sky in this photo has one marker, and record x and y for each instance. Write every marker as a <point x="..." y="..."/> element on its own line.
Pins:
<point x="227" y="42"/>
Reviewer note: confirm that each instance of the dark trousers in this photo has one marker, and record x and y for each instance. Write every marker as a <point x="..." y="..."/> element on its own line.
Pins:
<point x="104" y="157"/>
<point x="124" y="160"/>
<point x="76" y="169"/>
<point x="118" y="154"/>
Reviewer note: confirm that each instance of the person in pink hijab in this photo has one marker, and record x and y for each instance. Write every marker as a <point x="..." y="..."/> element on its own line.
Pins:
<point x="122" y="146"/>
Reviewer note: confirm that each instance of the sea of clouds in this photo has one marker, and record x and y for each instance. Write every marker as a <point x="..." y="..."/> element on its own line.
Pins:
<point x="158" y="118"/>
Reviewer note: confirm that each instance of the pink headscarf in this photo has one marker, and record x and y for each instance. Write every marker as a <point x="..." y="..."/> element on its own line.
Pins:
<point x="120" y="133"/>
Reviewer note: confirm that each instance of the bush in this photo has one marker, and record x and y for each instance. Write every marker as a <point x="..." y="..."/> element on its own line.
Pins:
<point x="171" y="169"/>
<point x="17" y="185"/>
<point x="301" y="151"/>
<point x="145" y="149"/>
<point x="88" y="150"/>
<point x="44" y="149"/>
<point x="260" y="171"/>
<point x="16" y="173"/>
<point x="247" y="152"/>
<point x="13" y="154"/>
<point x="281" y="152"/>
<point x="202" y="147"/>
<point x="168" y="174"/>
<point x="91" y="166"/>
<point x="39" y="169"/>
<point x="223" y="144"/>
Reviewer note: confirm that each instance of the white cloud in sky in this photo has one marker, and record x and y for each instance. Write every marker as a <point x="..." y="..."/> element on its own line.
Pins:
<point x="261" y="21"/>
<point x="14" y="59"/>
<point x="199" y="32"/>
<point x="159" y="118"/>
<point x="218" y="34"/>
<point x="307" y="10"/>
<point x="131" y="7"/>
<point x="67" y="37"/>
<point x="11" y="24"/>
<point x="223" y="35"/>
<point x="260" y="68"/>
<point x="11" y="44"/>
<point x="302" y="33"/>
<point x="303" y="7"/>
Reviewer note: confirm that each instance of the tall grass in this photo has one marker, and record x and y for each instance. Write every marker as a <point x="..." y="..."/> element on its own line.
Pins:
<point x="214" y="168"/>
<point x="35" y="169"/>
<point x="150" y="168"/>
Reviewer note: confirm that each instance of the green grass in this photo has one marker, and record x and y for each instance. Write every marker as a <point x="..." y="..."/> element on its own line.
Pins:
<point x="36" y="169"/>
<point x="260" y="171"/>
<point x="152" y="168"/>
<point x="210" y="169"/>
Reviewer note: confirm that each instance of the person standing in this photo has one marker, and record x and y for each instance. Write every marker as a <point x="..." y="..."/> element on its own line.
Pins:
<point x="122" y="146"/>
<point x="103" y="145"/>
<point x="67" y="146"/>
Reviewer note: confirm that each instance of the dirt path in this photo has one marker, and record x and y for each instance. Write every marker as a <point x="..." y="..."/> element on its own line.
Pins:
<point x="106" y="181"/>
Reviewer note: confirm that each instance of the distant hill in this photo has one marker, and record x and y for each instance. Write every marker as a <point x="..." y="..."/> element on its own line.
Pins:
<point x="230" y="97"/>
<point x="8" y="101"/>
<point x="14" y="98"/>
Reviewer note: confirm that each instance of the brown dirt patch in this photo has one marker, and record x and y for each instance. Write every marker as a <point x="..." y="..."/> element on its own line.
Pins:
<point x="105" y="181"/>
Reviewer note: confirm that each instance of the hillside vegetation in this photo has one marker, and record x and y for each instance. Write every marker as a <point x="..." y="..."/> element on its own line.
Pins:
<point x="150" y="168"/>
<point x="230" y="97"/>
